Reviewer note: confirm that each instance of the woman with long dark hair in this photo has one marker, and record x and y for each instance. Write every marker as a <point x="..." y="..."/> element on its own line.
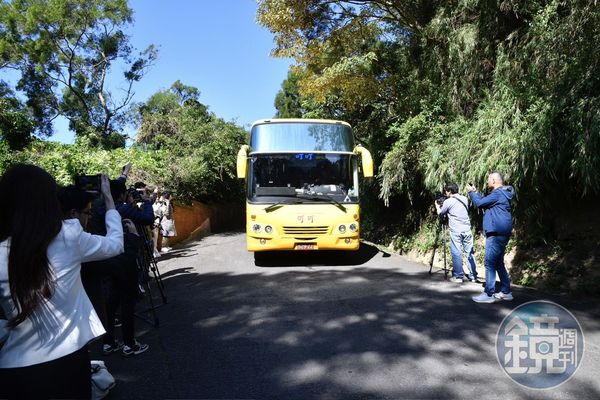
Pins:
<point x="50" y="319"/>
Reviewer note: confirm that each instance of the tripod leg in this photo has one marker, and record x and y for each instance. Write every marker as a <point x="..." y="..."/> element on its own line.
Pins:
<point x="158" y="279"/>
<point x="150" y="263"/>
<point x="147" y="263"/>
<point x="151" y="308"/>
<point x="435" y="245"/>
<point x="445" y="250"/>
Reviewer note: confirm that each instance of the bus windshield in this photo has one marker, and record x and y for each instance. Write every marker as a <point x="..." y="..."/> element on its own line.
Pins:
<point x="300" y="136"/>
<point x="303" y="175"/>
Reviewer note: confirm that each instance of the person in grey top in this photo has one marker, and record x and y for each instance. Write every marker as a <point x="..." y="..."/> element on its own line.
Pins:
<point x="456" y="206"/>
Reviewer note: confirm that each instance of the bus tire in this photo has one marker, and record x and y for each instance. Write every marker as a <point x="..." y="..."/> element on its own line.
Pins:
<point x="260" y="258"/>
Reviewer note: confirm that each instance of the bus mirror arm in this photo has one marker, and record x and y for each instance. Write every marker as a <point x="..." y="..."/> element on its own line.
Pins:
<point x="367" y="161"/>
<point x="242" y="161"/>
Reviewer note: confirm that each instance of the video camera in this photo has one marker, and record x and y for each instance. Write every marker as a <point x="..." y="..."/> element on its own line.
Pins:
<point x="439" y="198"/>
<point x="89" y="183"/>
<point x="135" y="194"/>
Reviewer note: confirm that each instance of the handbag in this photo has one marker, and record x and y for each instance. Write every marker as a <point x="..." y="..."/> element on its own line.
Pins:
<point x="102" y="380"/>
<point x="168" y="227"/>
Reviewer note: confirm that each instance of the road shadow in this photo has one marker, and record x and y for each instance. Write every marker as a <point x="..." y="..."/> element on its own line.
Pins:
<point x="316" y="258"/>
<point x="351" y="333"/>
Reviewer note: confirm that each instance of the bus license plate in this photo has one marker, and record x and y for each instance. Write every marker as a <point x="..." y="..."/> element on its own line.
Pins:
<point x="305" y="246"/>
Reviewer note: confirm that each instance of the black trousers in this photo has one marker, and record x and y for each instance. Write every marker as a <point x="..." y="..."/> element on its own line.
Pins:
<point x="68" y="377"/>
<point x="122" y="291"/>
<point x="109" y="284"/>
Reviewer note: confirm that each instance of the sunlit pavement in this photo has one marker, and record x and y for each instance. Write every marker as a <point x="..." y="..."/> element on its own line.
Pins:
<point x="369" y="325"/>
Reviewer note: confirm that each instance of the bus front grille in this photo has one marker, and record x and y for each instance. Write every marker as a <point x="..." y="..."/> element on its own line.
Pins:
<point x="305" y="230"/>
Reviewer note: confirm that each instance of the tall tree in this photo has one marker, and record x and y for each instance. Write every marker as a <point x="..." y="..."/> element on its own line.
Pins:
<point x="162" y="115"/>
<point x="65" y="51"/>
<point x="199" y="143"/>
<point x="16" y="125"/>
<point x="449" y="90"/>
<point x="287" y="101"/>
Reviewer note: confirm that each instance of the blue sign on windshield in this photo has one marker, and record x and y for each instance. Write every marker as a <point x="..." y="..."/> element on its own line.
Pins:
<point x="304" y="156"/>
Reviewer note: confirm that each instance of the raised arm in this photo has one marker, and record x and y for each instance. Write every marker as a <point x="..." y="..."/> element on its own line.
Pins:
<point x="95" y="247"/>
<point x="483" y="202"/>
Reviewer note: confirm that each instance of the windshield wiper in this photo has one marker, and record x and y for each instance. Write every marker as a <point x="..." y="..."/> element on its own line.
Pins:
<point x="323" y="197"/>
<point x="280" y="204"/>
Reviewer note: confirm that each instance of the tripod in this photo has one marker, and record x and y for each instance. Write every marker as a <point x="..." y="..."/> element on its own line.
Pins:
<point x="147" y="265"/>
<point x="441" y="228"/>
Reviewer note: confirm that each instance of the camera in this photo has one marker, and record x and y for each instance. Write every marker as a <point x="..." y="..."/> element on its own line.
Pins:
<point x="89" y="183"/>
<point x="439" y="198"/>
<point x="135" y="194"/>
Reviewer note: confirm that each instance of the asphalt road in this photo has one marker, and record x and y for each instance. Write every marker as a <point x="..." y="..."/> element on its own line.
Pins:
<point x="366" y="325"/>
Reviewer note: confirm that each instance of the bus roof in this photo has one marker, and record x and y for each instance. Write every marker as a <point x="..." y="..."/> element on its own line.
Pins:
<point x="298" y="120"/>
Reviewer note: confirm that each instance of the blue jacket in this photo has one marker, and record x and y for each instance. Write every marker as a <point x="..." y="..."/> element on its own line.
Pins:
<point x="496" y="218"/>
<point x="142" y="216"/>
<point x="139" y="216"/>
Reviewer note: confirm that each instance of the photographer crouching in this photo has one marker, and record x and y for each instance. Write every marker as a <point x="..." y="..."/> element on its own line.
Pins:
<point x="456" y="207"/>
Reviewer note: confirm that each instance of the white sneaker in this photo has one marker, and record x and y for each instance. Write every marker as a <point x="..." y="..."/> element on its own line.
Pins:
<point x="156" y="253"/>
<point x="166" y="249"/>
<point x="504" y="296"/>
<point x="484" y="298"/>
<point x="454" y="279"/>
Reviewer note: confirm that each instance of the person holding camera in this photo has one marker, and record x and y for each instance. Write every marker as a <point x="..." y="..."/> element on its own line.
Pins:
<point x="50" y="319"/>
<point x="125" y="279"/>
<point x="497" y="226"/>
<point x="456" y="207"/>
<point x="119" y="274"/>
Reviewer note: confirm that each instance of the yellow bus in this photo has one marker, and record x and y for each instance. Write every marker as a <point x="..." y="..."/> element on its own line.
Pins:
<point x="302" y="185"/>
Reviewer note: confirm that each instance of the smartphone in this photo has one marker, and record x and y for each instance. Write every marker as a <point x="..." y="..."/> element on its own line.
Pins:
<point x="89" y="183"/>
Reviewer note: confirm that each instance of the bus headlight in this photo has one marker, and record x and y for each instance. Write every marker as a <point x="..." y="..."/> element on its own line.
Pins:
<point x="342" y="228"/>
<point x="256" y="228"/>
<point x="353" y="227"/>
<point x="268" y="229"/>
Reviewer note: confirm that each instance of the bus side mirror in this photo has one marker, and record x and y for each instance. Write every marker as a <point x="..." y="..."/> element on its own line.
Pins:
<point x="242" y="161"/>
<point x="367" y="161"/>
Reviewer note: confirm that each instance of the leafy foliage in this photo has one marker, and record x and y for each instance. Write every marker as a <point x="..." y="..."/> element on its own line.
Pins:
<point x="16" y="124"/>
<point x="64" y="50"/>
<point x="451" y="90"/>
<point x="180" y="146"/>
<point x="462" y="87"/>
<point x="202" y="145"/>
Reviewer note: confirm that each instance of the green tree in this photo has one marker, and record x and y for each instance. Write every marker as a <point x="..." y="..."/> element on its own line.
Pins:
<point x="449" y="90"/>
<point x="202" y="146"/>
<point x="16" y="127"/>
<point x="288" y="101"/>
<point x="64" y="51"/>
<point x="162" y="115"/>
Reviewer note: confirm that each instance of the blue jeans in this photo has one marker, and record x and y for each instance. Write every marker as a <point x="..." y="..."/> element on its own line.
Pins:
<point x="494" y="262"/>
<point x="460" y="241"/>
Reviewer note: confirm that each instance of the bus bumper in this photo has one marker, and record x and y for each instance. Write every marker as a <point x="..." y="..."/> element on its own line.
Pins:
<point x="256" y="243"/>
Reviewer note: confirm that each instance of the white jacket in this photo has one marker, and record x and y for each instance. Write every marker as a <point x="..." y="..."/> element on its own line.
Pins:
<point x="67" y="321"/>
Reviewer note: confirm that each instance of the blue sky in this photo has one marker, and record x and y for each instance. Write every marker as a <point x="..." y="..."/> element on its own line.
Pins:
<point x="214" y="45"/>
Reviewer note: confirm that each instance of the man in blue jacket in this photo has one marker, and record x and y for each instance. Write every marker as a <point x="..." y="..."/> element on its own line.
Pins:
<point x="497" y="225"/>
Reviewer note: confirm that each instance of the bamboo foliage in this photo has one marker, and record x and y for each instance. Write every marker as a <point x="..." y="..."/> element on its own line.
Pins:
<point x="449" y="91"/>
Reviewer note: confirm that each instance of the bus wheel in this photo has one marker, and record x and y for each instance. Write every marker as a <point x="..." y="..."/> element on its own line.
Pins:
<point x="260" y="258"/>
